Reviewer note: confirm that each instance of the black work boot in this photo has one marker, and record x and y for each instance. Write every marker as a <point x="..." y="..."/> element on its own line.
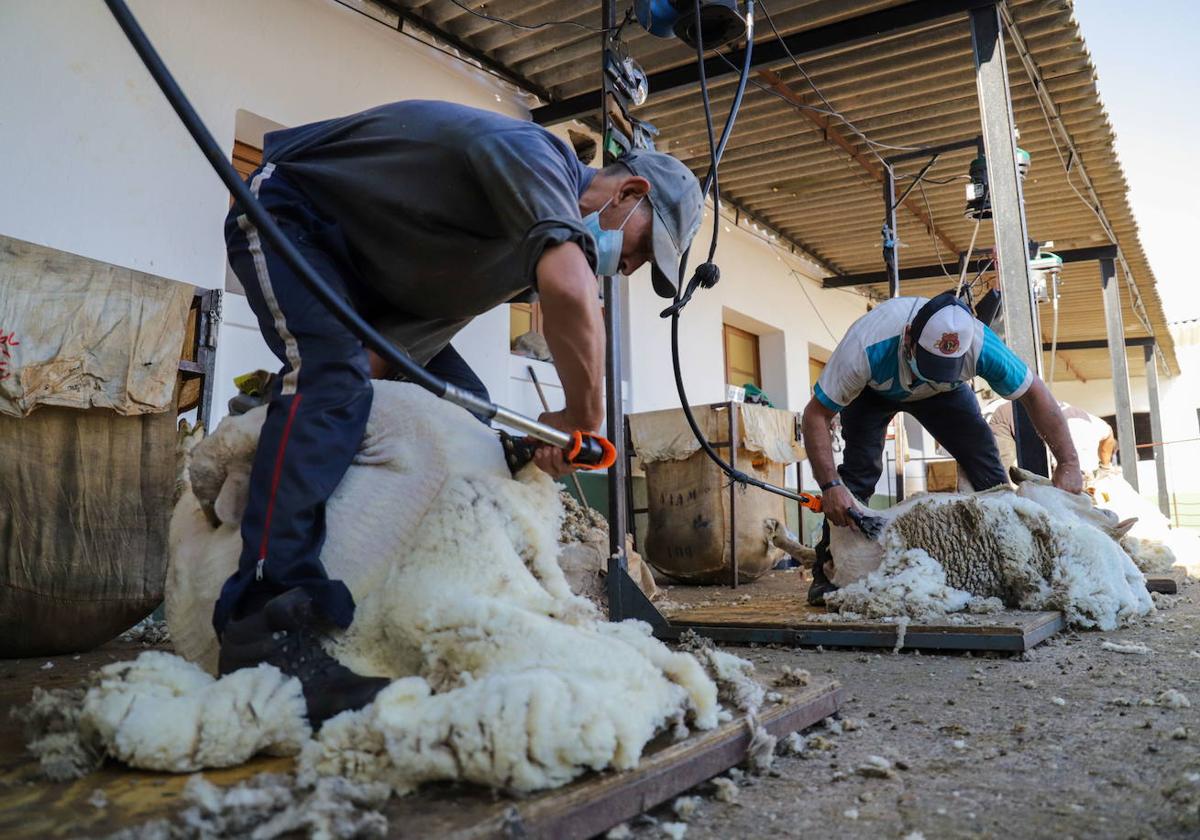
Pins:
<point x="821" y="585"/>
<point x="286" y="633"/>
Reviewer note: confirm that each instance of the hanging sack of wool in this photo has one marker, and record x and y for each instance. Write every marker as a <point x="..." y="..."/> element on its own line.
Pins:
<point x="89" y="355"/>
<point x="692" y="514"/>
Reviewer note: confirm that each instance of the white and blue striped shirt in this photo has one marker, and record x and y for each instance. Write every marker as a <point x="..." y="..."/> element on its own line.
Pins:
<point x="871" y="355"/>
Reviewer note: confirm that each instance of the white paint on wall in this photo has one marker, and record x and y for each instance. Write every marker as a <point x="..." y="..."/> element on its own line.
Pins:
<point x="97" y="164"/>
<point x="1179" y="397"/>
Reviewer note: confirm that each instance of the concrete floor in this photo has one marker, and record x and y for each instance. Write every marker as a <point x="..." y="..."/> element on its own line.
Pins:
<point x="1055" y="743"/>
<point x="1040" y="745"/>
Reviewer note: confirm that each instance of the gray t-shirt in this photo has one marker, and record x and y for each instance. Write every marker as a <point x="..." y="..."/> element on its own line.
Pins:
<point x="446" y="209"/>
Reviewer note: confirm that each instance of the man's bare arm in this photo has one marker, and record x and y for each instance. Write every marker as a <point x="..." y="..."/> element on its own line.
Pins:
<point x="1048" y="419"/>
<point x="818" y="448"/>
<point x="575" y="332"/>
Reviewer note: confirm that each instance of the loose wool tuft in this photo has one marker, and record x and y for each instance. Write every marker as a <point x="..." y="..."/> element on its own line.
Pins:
<point x="160" y="712"/>
<point x="1039" y="548"/>
<point x="502" y="676"/>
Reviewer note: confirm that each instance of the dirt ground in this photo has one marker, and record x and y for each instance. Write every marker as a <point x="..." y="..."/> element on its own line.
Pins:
<point x="1030" y="746"/>
<point x="1054" y="743"/>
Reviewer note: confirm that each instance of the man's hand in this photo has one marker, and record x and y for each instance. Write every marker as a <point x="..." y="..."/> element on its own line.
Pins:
<point x="550" y="459"/>
<point x="1068" y="477"/>
<point x="836" y="504"/>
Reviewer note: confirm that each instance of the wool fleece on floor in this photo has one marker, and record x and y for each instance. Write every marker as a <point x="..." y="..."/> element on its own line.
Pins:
<point x="502" y="676"/>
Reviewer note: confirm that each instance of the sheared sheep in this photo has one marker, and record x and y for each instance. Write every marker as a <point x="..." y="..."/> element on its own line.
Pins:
<point x="502" y="675"/>
<point x="1152" y="543"/>
<point x="1038" y="548"/>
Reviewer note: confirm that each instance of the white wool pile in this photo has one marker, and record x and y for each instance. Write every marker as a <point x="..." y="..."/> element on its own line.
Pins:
<point x="908" y="582"/>
<point x="160" y="712"/>
<point x="268" y="806"/>
<point x="50" y="725"/>
<point x="736" y="687"/>
<point x="503" y="676"/>
<point x="1036" y="549"/>
<point x="1154" y="545"/>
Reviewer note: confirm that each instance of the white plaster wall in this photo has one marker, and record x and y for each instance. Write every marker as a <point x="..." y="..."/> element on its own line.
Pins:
<point x="757" y="283"/>
<point x="96" y="163"/>
<point x="1179" y="397"/>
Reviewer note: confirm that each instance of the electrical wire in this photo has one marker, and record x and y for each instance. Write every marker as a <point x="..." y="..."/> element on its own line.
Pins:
<point x="715" y="151"/>
<point x="929" y="230"/>
<point x="938" y="181"/>
<point x="534" y="26"/>
<point x="800" y="282"/>
<point x="833" y="111"/>
<point x="962" y="276"/>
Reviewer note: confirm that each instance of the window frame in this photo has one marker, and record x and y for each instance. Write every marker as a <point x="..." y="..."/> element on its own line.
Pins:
<point x="726" y="330"/>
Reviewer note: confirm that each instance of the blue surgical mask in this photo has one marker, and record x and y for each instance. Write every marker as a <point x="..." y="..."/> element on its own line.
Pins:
<point x="940" y="387"/>
<point x="608" y="242"/>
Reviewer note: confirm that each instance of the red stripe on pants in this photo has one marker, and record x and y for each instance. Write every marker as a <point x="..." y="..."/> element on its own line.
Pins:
<point x="287" y="429"/>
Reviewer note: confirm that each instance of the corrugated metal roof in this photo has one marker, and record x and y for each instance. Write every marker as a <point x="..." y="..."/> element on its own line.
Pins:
<point x="816" y="182"/>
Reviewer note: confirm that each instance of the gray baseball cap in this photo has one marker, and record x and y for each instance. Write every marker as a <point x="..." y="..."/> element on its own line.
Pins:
<point x="678" y="206"/>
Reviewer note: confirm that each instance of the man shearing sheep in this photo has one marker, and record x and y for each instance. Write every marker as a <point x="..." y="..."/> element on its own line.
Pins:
<point x="424" y="215"/>
<point x="1094" y="440"/>
<point x="915" y="356"/>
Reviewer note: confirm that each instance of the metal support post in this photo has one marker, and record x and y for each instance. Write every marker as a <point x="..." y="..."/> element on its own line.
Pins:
<point x="901" y="442"/>
<point x="891" y="258"/>
<point x="1004" y="186"/>
<point x="1115" y="324"/>
<point x="733" y="491"/>
<point x="618" y="508"/>
<point x="1156" y="431"/>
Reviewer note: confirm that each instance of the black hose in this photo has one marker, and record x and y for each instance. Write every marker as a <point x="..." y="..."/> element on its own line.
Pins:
<point x="716" y="151"/>
<point x="262" y="220"/>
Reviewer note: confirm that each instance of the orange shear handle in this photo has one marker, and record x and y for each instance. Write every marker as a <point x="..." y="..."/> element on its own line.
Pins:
<point x="591" y="452"/>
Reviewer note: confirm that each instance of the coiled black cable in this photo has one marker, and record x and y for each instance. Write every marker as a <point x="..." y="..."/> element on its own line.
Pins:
<point x="716" y="151"/>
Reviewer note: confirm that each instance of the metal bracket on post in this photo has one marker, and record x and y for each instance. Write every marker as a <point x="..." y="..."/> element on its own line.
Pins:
<point x="209" y="325"/>
<point x="1156" y="431"/>
<point x="1114" y="322"/>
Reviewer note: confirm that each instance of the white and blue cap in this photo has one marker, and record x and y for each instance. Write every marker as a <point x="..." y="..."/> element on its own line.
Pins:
<point x="678" y="206"/>
<point x="942" y="332"/>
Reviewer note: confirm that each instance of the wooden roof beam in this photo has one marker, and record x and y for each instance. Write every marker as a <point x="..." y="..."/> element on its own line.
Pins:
<point x="834" y="137"/>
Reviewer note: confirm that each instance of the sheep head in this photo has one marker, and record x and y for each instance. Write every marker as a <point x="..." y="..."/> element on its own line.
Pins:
<point x="1040" y="489"/>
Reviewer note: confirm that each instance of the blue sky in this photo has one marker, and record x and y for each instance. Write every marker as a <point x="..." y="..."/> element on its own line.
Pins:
<point x="1148" y="60"/>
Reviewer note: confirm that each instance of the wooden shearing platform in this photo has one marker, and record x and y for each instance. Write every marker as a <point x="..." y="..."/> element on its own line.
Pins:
<point x="31" y="808"/>
<point x="775" y="604"/>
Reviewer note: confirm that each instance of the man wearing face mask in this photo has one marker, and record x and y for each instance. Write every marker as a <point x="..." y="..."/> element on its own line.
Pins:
<point x="917" y="356"/>
<point x="424" y="215"/>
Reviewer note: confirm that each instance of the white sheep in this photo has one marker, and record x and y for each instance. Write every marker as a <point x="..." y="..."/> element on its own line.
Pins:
<point x="1152" y="543"/>
<point x="502" y="675"/>
<point x="1037" y="548"/>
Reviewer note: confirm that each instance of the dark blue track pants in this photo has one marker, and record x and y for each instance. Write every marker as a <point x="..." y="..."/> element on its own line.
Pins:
<point x="953" y="418"/>
<point x="318" y="409"/>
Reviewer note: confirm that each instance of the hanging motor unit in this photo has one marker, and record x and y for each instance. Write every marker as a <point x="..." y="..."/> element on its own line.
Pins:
<point x="979" y="205"/>
<point x="718" y="21"/>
